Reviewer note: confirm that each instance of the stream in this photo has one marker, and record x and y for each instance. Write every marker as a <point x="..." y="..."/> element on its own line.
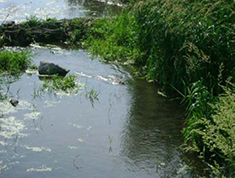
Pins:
<point x="128" y="131"/>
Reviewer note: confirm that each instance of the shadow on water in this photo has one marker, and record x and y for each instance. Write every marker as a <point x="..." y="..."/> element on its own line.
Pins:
<point x="152" y="133"/>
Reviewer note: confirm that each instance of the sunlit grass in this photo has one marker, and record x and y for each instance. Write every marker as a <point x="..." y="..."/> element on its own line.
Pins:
<point x="14" y="62"/>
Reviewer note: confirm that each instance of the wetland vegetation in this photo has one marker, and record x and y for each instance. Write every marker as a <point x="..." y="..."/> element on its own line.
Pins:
<point x="187" y="47"/>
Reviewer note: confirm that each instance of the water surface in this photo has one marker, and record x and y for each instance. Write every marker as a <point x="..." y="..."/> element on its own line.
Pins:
<point x="130" y="131"/>
<point x="20" y="10"/>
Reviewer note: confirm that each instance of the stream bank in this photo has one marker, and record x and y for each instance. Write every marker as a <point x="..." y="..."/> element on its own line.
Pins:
<point x="128" y="131"/>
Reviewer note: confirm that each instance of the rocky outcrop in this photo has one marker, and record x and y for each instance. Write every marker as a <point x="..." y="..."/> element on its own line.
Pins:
<point x="48" y="68"/>
<point x="49" y="31"/>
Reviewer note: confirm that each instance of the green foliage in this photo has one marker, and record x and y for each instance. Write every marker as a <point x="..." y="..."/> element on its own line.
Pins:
<point x="57" y="85"/>
<point x="61" y="83"/>
<point x="112" y="38"/>
<point x="33" y="21"/>
<point x="14" y="62"/>
<point x="78" y="30"/>
<point x="93" y="96"/>
<point x="186" y="39"/>
<point x="217" y="136"/>
<point x="1" y="41"/>
<point x="187" y="46"/>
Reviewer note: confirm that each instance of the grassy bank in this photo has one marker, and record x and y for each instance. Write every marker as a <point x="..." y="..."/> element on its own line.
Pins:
<point x="188" y="47"/>
<point x="14" y="62"/>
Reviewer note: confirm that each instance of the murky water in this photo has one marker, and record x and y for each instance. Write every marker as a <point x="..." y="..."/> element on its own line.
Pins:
<point x="129" y="131"/>
<point x="20" y="10"/>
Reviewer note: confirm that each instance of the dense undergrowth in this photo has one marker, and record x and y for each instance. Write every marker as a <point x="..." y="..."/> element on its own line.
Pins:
<point x="188" y="47"/>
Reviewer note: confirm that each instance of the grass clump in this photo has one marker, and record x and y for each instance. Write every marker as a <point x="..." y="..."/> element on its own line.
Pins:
<point x="14" y="62"/>
<point x="93" y="96"/>
<point x="65" y="84"/>
<point x="33" y="21"/>
<point x="112" y="38"/>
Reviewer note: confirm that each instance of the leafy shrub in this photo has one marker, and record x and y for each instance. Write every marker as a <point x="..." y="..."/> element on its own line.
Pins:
<point x="217" y="136"/>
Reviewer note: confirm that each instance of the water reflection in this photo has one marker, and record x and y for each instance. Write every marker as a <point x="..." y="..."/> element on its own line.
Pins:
<point x="94" y="7"/>
<point x="131" y="131"/>
<point x="19" y="11"/>
<point x="152" y="132"/>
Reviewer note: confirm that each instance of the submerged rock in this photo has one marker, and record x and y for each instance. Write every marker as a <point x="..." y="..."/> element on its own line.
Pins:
<point x="14" y="102"/>
<point x="48" y="68"/>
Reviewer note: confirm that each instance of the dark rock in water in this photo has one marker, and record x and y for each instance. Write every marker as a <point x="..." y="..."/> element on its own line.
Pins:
<point x="48" y="68"/>
<point x="14" y="102"/>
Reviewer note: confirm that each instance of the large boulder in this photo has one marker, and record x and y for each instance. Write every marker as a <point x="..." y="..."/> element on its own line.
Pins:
<point x="48" y="68"/>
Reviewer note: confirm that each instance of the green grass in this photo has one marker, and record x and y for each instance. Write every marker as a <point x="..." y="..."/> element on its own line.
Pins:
<point x="93" y="96"/>
<point x="216" y="134"/>
<point x="33" y="21"/>
<point x="187" y="47"/>
<point x="66" y="84"/>
<point x="111" y="38"/>
<point x="57" y="85"/>
<point x="14" y="62"/>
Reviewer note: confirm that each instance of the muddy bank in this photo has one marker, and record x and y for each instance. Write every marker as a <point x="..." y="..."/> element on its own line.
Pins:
<point x="48" y="31"/>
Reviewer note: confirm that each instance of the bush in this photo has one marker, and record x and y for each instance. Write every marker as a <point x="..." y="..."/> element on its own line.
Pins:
<point x="217" y="136"/>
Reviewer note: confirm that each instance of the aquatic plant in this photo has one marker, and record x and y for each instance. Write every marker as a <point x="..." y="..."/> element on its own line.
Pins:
<point x="14" y="62"/>
<point x="61" y="83"/>
<point x="57" y="85"/>
<point x="93" y="96"/>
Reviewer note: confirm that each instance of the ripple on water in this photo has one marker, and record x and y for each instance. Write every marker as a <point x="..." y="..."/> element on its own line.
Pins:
<point x="33" y="115"/>
<point x="42" y="168"/>
<point x="37" y="149"/>
<point x="6" y="108"/>
<point x="11" y="128"/>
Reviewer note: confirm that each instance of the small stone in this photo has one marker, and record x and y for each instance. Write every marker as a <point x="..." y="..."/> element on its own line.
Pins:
<point x="14" y="102"/>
